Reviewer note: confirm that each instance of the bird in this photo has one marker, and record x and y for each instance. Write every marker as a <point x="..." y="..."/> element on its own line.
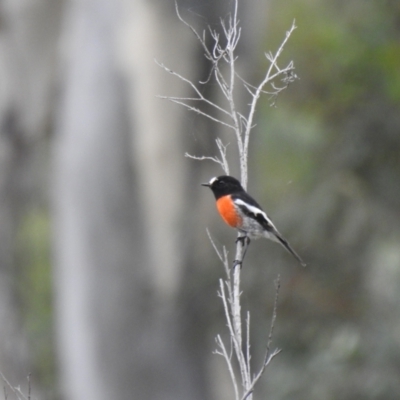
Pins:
<point x="239" y="210"/>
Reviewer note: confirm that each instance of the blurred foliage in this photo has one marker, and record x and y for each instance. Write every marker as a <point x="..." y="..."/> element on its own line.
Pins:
<point x="343" y="51"/>
<point x="328" y="166"/>
<point x="33" y="257"/>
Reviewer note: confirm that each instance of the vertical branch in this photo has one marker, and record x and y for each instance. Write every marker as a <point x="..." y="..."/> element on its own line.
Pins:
<point x="224" y="53"/>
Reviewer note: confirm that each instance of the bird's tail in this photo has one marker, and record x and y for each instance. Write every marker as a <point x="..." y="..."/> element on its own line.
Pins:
<point x="289" y="248"/>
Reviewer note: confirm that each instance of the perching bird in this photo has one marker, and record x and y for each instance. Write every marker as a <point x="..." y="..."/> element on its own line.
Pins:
<point x="239" y="210"/>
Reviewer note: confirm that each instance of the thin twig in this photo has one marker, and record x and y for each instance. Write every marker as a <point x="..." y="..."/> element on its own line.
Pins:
<point x="215" y="246"/>
<point x="16" y="390"/>
<point x="193" y="86"/>
<point x="227" y="269"/>
<point x="250" y="390"/>
<point x="198" y="111"/>
<point x="29" y="386"/>
<point x="228" y="359"/>
<point x="227" y="313"/>
<point x="222" y="151"/>
<point x="223" y="162"/>
<point x="268" y="354"/>
<point x="277" y="283"/>
<point x="202" y="158"/>
<point x="259" y="91"/>
<point x="202" y="41"/>
<point x="233" y="329"/>
<point x="248" y="356"/>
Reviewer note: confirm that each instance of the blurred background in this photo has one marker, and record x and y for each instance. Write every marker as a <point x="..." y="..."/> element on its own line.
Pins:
<point x="108" y="282"/>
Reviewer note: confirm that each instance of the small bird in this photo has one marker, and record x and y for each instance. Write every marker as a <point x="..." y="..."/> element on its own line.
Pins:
<point x="239" y="210"/>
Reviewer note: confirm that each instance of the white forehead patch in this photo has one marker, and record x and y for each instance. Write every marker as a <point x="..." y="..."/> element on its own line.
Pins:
<point x="213" y="180"/>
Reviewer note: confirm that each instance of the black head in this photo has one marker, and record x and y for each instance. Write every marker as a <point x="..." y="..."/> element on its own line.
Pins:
<point x="223" y="185"/>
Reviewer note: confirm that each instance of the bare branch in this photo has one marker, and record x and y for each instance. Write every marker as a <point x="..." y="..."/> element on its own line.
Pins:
<point x="223" y="162"/>
<point x="268" y="354"/>
<point x="267" y="78"/>
<point x="193" y="86"/>
<point x="248" y="356"/>
<point x="274" y="313"/>
<point x="227" y="312"/>
<point x="260" y="373"/>
<point x="222" y="151"/>
<point x="228" y="360"/>
<point x="198" y="111"/>
<point x="202" y="158"/>
<point x="228" y="272"/>
<point x="220" y="256"/>
<point x="232" y="321"/>
<point x="237" y="326"/>
<point x="200" y="39"/>
<point x="16" y="390"/>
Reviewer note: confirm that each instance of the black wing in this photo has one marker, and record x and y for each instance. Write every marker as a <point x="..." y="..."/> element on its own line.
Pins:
<point x="252" y="209"/>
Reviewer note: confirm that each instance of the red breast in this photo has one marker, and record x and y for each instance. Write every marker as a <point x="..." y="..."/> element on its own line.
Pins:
<point x="227" y="210"/>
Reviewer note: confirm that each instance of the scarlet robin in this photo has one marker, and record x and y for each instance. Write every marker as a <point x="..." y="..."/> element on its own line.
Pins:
<point x="239" y="210"/>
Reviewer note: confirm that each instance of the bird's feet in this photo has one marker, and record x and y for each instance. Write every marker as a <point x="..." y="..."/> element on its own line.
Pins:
<point x="244" y="240"/>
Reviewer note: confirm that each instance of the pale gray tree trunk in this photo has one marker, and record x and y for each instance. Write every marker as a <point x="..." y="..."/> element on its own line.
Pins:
<point x="118" y="195"/>
<point x="100" y="270"/>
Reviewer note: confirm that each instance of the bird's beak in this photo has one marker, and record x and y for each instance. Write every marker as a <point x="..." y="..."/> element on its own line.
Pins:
<point x="205" y="184"/>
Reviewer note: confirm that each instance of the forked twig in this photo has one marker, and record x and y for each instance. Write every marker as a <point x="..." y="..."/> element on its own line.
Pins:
<point x="16" y="389"/>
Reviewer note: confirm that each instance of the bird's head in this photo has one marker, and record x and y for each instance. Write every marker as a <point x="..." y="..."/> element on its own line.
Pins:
<point x="224" y="185"/>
